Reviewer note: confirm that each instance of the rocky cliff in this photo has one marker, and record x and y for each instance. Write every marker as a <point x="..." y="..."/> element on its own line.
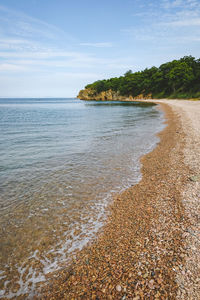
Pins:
<point x="89" y="94"/>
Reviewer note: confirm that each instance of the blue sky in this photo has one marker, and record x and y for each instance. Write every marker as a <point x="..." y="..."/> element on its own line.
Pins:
<point x="53" y="48"/>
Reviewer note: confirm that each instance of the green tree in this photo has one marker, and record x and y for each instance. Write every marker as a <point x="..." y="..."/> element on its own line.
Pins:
<point x="128" y="73"/>
<point x="180" y="76"/>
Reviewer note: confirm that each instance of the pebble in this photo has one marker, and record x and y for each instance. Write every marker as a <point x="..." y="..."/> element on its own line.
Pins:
<point x="151" y="284"/>
<point x="194" y="178"/>
<point x="118" y="288"/>
<point x="145" y="275"/>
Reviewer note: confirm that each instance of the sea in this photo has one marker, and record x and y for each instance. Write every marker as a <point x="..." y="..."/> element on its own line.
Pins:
<point x="61" y="163"/>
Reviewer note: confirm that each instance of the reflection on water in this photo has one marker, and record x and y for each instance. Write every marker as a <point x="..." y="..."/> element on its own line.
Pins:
<point x="120" y="103"/>
<point x="60" y="162"/>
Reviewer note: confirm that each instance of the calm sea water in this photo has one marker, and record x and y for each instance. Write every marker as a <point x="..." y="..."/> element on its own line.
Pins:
<point x="61" y="160"/>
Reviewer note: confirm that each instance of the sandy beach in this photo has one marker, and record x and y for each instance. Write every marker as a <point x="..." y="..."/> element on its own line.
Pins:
<point x="149" y="247"/>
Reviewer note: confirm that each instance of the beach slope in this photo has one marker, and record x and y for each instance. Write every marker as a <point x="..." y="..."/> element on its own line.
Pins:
<point x="149" y="247"/>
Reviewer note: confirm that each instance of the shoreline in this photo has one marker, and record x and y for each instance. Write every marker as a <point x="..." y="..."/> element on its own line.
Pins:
<point x="141" y="250"/>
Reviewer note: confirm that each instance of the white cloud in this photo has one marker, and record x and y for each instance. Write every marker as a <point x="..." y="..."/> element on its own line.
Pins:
<point x="166" y="23"/>
<point x="28" y="44"/>
<point x="46" y="53"/>
<point x="97" y="45"/>
<point x="18" y="44"/>
<point x="50" y="62"/>
<point x="19" y="24"/>
<point x="167" y="4"/>
<point x="184" y="22"/>
<point x="180" y="4"/>
<point x="4" y="67"/>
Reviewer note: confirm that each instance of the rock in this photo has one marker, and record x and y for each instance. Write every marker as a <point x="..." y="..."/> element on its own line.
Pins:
<point x="89" y="94"/>
<point x="145" y="275"/>
<point x="159" y="280"/>
<point x="158" y="295"/>
<point x="118" y="288"/>
<point x="110" y="95"/>
<point x="151" y="284"/>
<point x="195" y="178"/>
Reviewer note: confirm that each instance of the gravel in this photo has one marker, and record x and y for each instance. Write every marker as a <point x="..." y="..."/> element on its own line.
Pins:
<point x="149" y="247"/>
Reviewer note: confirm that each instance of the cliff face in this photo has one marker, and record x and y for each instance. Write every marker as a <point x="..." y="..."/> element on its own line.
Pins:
<point x="89" y="94"/>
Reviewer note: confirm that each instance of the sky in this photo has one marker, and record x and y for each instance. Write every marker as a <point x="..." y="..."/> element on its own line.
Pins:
<point x="53" y="48"/>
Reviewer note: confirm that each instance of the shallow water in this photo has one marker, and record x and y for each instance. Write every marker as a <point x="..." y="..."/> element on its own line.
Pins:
<point x="61" y="160"/>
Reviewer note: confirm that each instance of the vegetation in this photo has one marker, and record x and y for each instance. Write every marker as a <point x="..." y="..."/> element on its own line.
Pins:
<point x="175" y="79"/>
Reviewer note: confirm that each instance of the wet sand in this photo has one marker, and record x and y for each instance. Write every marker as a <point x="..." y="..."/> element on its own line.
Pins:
<point x="142" y="251"/>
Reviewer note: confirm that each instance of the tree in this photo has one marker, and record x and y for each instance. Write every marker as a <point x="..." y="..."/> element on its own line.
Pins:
<point x="128" y="73"/>
<point x="180" y="76"/>
<point x="175" y="77"/>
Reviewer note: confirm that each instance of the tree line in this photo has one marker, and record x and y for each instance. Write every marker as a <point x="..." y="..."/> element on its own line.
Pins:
<point x="175" y="79"/>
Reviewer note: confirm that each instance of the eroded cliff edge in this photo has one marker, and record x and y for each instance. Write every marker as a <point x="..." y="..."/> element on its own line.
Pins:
<point x="109" y="95"/>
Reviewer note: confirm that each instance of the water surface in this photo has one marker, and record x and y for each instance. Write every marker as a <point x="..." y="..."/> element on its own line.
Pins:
<point x="61" y="160"/>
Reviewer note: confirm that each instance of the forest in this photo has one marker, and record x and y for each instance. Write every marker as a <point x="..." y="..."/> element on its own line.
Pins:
<point x="175" y="79"/>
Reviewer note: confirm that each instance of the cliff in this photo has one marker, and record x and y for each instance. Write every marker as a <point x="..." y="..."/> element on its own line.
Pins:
<point x="89" y="94"/>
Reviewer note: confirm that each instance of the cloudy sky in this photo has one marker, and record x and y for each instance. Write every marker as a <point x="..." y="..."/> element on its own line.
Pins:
<point x="53" y="48"/>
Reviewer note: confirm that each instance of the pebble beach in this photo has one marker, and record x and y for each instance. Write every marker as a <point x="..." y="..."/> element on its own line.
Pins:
<point x="149" y="246"/>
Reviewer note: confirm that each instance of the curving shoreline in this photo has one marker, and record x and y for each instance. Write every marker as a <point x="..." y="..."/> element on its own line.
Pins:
<point x="142" y="252"/>
<point x="188" y="278"/>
